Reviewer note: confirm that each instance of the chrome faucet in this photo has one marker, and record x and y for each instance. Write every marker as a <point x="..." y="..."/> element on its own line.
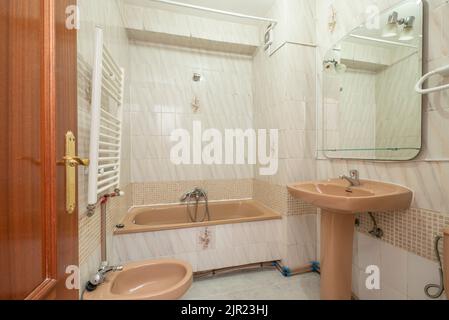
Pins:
<point x="100" y="277"/>
<point x="353" y="178"/>
<point x="195" y="194"/>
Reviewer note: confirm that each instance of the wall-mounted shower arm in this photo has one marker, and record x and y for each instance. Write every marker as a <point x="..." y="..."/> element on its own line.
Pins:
<point x="222" y="12"/>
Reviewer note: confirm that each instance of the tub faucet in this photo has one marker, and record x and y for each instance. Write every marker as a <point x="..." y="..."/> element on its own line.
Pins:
<point x="195" y="197"/>
<point x="353" y="178"/>
<point x="99" y="278"/>
<point x="195" y="194"/>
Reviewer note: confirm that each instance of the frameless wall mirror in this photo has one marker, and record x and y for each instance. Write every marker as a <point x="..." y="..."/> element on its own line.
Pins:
<point x="370" y="108"/>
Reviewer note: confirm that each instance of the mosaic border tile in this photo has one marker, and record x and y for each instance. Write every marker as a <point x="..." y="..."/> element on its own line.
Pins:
<point x="279" y="199"/>
<point x="170" y="192"/>
<point x="413" y="230"/>
<point x="89" y="228"/>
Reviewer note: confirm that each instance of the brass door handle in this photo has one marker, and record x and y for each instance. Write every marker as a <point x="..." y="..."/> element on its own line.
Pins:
<point x="71" y="161"/>
<point x="76" y="161"/>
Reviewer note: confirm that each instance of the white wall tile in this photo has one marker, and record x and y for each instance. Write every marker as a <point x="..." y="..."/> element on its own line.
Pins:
<point x="421" y="272"/>
<point x="393" y="267"/>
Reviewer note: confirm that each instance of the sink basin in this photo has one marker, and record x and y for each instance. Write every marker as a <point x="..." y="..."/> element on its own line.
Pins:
<point x="339" y="203"/>
<point x="336" y="195"/>
<point x="150" y="280"/>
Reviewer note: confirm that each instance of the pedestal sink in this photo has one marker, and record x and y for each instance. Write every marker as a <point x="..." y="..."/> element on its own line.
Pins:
<point x="339" y="203"/>
<point x="148" y="280"/>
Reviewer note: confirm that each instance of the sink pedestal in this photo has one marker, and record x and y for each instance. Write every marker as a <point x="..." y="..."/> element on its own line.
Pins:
<point x="337" y="236"/>
<point x="339" y="204"/>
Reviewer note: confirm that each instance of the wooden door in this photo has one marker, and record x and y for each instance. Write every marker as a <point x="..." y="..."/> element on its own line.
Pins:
<point x="38" y="238"/>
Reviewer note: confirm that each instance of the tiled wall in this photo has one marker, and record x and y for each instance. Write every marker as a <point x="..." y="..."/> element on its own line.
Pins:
<point x="413" y="230"/>
<point x="152" y="193"/>
<point x="427" y="176"/>
<point x="269" y="92"/>
<point x="107" y="14"/>
<point x="398" y="120"/>
<point x="403" y="274"/>
<point x="162" y="93"/>
<point x="167" y="22"/>
<point x="90" y="239"/>
<point x="226" y="246"/>
<point x="284" y="98"/>
<point x="347" y="127"/>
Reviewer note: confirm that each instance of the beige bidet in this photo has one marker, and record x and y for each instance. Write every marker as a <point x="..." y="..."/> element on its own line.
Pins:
<point x="148" y="280"/>
<point x="340" y="202"/>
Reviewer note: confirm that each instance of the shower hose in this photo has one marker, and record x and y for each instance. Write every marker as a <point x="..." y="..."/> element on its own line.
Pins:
<point x="194" y="215"/>
<point x="440" y="287"/>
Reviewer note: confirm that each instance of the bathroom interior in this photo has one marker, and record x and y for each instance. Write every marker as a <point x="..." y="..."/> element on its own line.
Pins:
<point x="337" y="79"/>
<point x="224" y="150"/>
<point x="340" y="191"/>
<point x="231" y="150"/>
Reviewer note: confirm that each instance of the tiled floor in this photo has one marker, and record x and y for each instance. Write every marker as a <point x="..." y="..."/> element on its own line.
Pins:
<point x="256" y="285"/>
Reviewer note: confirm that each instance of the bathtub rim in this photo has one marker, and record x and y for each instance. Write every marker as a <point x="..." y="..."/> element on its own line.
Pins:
<point x="131" y="228"/>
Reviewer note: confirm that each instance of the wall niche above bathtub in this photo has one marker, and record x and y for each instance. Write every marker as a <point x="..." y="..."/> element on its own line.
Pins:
<point x="370" y="108"/>
<point x="185" y="29"/>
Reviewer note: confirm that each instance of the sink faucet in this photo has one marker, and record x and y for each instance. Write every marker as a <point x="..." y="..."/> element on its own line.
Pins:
<point x="99" y="278"/>
<point x="353" y="178"/>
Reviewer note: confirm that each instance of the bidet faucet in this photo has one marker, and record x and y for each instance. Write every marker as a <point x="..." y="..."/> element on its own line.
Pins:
<point x="353" y="178"/>
<point x="99" y="278"/>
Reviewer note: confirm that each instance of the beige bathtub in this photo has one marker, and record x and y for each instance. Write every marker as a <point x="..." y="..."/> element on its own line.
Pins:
<point x="168" y="217"/>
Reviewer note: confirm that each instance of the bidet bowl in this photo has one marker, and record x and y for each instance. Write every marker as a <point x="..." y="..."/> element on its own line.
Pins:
<point x="148" y="280"/>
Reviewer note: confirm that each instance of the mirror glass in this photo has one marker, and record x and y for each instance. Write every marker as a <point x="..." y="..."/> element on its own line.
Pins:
<point x="370" y="108"/>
